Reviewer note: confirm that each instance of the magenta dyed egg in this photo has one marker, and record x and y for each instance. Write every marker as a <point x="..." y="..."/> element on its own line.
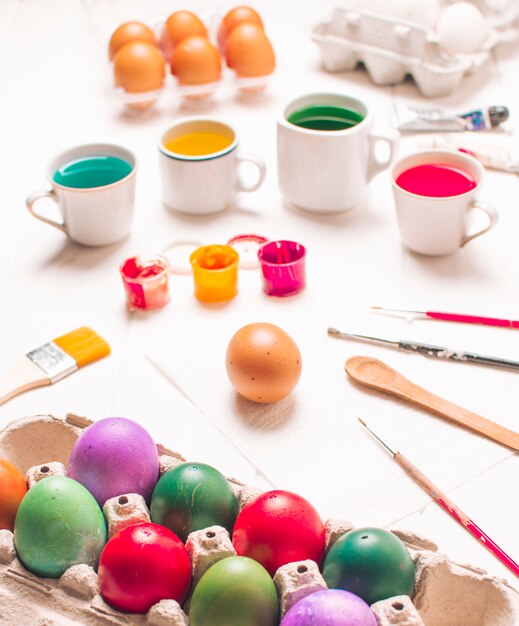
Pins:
<point x="330" y="607"/>
<point x="115" y="456"/>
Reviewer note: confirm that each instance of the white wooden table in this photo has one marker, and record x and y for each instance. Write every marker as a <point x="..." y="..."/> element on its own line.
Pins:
<point x="56" y="93"/>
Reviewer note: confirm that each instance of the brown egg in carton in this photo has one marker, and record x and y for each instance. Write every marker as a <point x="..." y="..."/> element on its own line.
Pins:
<point x="199" y="94"/>
<point x="445" y="593"/>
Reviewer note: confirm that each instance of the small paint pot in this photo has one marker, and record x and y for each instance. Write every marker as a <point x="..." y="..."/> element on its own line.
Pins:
<point x="215" y="272"/>
<point x="145" y="280"/>
<point x="282" y="267"/>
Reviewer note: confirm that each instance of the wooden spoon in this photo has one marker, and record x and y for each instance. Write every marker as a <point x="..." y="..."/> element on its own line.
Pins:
<point x="376" y="374"/>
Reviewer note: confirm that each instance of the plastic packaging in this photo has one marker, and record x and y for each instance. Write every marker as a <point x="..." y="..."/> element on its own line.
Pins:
<point x="195" y="96"/>
<point x="199" y="95"/>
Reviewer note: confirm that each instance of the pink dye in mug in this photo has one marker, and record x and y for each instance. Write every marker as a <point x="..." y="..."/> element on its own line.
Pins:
<point x="436" y="180"/>
<point x="282" y="267"/>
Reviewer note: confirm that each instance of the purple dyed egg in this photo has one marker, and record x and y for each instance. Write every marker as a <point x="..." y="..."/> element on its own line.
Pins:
<point x="330" y="607"/>
<point x="115" y="456"/>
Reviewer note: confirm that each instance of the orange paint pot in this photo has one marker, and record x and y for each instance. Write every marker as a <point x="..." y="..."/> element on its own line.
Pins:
<point x="215" y="272"/>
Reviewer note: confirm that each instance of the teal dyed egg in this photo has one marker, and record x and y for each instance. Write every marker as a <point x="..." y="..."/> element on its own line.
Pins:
<point x="58" y="524"/>
<point x="236" y="591"/>
<point x="192" y="496"/>
<point x="371" y="563"/>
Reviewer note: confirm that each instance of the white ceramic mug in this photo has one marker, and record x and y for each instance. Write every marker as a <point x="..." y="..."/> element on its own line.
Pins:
<point x="439" y="225"/>
<point x="92" y="216"/>
<point x="327" y="171"/>
<point x="206" y="183"/>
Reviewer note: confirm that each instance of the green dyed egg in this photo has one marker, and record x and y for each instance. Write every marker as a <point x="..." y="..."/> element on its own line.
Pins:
<point x="58" y="524"/>
<point x="370" y="562"/>
<point x="192" y="496"/>
<point x="236" y="591"/>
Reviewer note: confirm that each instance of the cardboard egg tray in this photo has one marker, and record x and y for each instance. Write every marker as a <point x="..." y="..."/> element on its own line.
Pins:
<point x="392" y="48"/>
<point x="445" y="594"/>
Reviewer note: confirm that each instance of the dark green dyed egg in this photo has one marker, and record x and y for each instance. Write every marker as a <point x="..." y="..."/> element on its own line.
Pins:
<point x="58" y="524"/>
<point x="192" y="496"/>
<point x="236" y="591"/>
<point x="371" y="563"/>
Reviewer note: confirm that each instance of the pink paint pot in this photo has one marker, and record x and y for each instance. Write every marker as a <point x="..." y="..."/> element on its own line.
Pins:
<point x="145" y="280"/>
<point x="282" y="266"/>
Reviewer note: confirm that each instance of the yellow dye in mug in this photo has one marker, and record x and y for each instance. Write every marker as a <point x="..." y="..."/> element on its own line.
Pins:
<point x="198" y="144"/>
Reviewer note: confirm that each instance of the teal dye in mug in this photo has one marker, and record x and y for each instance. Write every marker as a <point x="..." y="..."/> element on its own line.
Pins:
<point x="325" y="117"/>
<point x="92" y="171"/>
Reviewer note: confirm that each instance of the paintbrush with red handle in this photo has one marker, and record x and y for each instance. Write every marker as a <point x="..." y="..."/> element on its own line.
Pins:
<point x="453" y="317"/>
<point x="447" y="504"/>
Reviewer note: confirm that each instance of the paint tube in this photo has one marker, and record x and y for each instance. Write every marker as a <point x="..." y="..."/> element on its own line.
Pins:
<point x="490" y="156"/>
<point x="410" y="118"/>
<point x="484" y="119"/>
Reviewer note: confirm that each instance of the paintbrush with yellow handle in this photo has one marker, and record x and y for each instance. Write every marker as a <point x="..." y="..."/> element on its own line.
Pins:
<point x="53" y="361"/>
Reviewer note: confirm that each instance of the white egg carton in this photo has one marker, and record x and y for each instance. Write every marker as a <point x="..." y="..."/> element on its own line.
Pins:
<point x="391" y="48"/>
<point x="446" y="593"/>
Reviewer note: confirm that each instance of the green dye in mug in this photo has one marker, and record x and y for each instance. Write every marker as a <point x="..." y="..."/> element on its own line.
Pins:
<point x="325" y="117"/>
<point x="92" y="171"/>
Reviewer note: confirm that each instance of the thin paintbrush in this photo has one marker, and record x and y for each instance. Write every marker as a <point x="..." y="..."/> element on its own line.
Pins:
<point x="426" y="349"/>
<point x="447" y="504"/>
<point x="453" y="317"/>
<point x="53" y="361"/>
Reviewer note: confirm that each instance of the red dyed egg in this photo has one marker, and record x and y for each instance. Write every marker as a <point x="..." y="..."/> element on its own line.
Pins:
<point x="279" y="527"/>
<point x="141" y="565"/>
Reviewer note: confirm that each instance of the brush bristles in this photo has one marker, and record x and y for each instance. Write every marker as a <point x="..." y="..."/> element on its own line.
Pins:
<point x="83" y="345"/>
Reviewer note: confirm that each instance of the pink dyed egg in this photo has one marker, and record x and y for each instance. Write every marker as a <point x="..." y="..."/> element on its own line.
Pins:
<point x="115" y="456"/>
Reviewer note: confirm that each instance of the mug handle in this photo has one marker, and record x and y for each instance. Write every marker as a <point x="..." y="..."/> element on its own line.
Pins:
<point x="37" y="195"/>
<point x="249" y="158"/>
<point x="493" y="218"/>
<point x="391" y="139"/>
